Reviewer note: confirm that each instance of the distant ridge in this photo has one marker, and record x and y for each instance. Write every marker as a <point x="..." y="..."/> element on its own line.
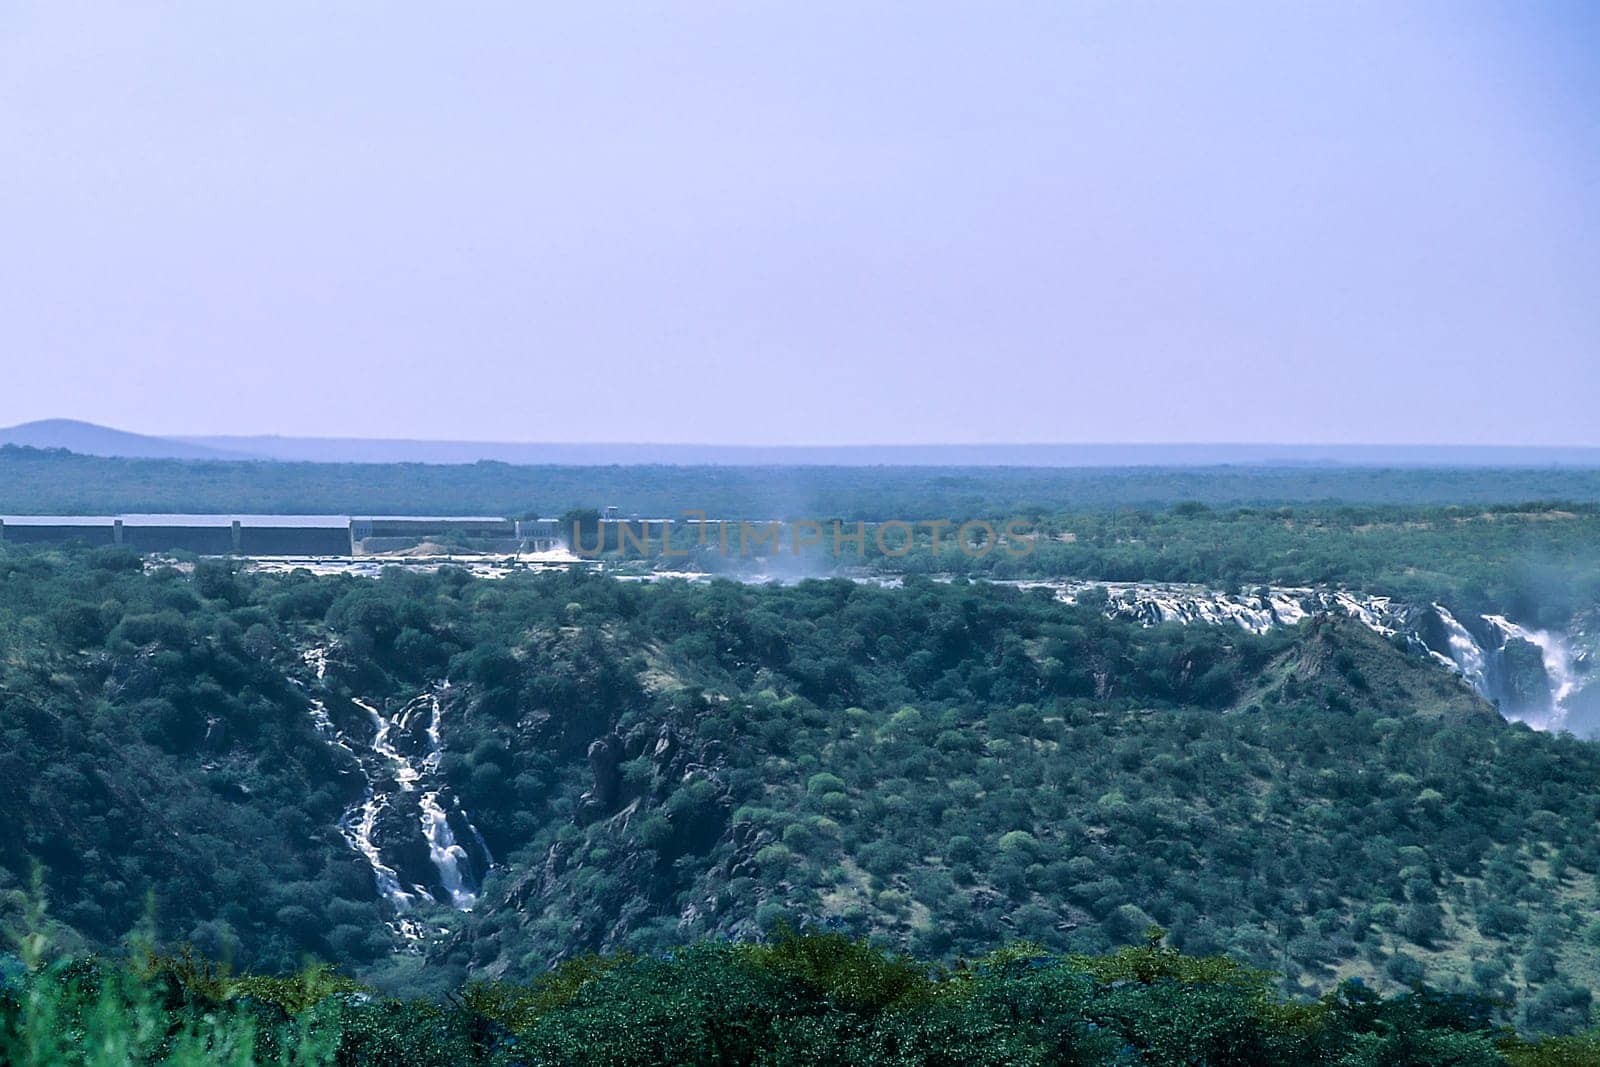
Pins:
<point x="380" y="450"/>
<point x="90" y="439"/>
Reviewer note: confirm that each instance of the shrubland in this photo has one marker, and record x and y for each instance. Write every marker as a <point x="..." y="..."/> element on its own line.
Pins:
<point x="935" y="769"/>
<point x="796" y="999"/>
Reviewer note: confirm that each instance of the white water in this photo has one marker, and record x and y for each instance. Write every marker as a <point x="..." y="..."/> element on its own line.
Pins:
<point x="1465" y="652"/>
<point x="321" y="720"/>
<point x="407" y="775"/>
<point x="1557" y="656"/>
<point x="360" y="826"/>
<point x="1152" y="603"/>
<point x="359" y="831"/>
<point x="477" y="838"/>
<point x="404" y="773"/>
<point x="1257" y="612"/>
<point x="447" y="856"/>
<point x="449" y="859"/>
<point x="1288" y="610"/>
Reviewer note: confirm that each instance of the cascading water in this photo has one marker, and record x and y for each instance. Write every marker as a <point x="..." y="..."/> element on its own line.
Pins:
<point x="405" y="775"/>
<point x="1465" y="652"/>
<point x="399" y="778"/>
<point x="1452" y="644"/>
<point x="1556" y="656"/>
<point x="1286" y="609"/>
<point x="1257" y="612"/>
<point x="449" y="858"/>
<point x="477" y="839"/>
<point x="360" y="832"/>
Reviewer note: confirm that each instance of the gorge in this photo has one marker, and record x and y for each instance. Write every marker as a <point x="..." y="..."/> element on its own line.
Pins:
<point x="1539" y="677"/>
<point x="405" y="803"/>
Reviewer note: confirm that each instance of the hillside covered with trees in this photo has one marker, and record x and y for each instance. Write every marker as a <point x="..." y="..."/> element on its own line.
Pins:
<point x="1536" y="562"/>
<point x="939" y="768"/>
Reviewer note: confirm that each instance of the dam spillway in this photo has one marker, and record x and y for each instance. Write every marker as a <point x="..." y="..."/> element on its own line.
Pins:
<point x="244" y="535"/>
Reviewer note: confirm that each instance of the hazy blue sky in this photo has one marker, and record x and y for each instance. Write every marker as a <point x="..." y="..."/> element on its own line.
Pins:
<point x="808" y="222"/>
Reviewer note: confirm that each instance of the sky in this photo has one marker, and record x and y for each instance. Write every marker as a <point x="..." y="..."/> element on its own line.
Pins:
<point x="805" y="223"/>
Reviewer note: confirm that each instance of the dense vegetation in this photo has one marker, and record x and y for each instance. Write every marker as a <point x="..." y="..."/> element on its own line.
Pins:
<point x="798" y="1000"/>
<point x="1469" y="537"/>
<point x="1539" y="563"/>
<point x="34" y="481"/>
<point x="941" y="767"/>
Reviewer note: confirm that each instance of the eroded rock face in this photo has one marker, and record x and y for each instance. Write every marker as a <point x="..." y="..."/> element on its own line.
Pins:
<point x="130" y="677"/>
<point x="1521" y="680"/>
<point x="394" y="832"/>
<point x="605" y="762"/>
<point x="659" y="774"/>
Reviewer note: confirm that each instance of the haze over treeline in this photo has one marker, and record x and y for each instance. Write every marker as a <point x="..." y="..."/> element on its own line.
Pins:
<point x="92" y="440"/>
<point x="34" y="481"/>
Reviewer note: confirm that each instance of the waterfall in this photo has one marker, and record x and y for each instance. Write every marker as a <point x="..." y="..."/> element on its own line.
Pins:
<point x="404" y="773"/>
<point x="450" y="860"/>
<point x="1286" y="609"/>
<point x="477" y="839"/>
<point x="1465" y="652"/>
<point x="447" y="856"/>
<point x="1454" y="647"/>
<point x="1373" y="612"/>
<point x="360" y="824"/>
<point x="359" y="832"/>
<point x="401" y="766"/>
<point x="1557" y="658"/>
<point x="1157" y="602"/>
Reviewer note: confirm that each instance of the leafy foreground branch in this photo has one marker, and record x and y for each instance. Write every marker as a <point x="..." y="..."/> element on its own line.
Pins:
<point x="802" y="999"/>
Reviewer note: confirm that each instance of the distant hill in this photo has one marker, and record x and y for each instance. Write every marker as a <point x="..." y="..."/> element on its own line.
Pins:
<point x="86" y="438"/>
<point x="89" y="439"/>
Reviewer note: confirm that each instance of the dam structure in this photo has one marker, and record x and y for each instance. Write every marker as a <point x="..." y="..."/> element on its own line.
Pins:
<point x="251" y="535"/>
